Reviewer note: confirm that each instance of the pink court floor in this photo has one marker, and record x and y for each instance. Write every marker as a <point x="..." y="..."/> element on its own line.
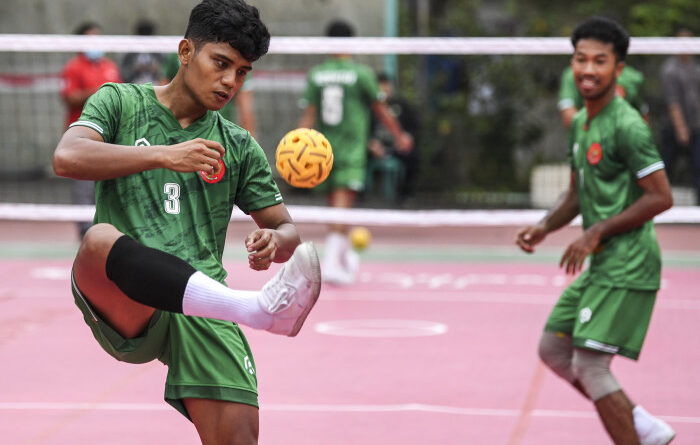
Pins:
<point x="417" y="352"/>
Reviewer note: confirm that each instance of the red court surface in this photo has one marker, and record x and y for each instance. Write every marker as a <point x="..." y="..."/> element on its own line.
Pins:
<point x="418" y="352"/>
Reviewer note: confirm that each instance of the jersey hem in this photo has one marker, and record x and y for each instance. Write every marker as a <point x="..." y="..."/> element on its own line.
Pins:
<point x="594" y="345"/>
<point x="650" y="169"/>
<point x="88" y="124"/>
<point x="258" y="205"/>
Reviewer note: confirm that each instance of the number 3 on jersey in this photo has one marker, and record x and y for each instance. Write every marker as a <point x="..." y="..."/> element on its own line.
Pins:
<point x="172" y="204"/>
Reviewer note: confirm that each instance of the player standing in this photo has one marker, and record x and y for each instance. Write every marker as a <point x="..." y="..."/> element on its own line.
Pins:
<point x="618" y="184"/>
<point x="339" y="96"/>
<point x="169" y="170"/>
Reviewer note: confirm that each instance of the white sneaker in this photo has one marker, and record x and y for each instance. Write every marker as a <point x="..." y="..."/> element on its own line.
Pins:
<point x="651" y="430"/>
<point x="293" y="291"/>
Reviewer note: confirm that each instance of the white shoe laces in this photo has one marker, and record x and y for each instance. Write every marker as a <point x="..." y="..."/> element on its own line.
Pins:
<point x="278" y="293"/>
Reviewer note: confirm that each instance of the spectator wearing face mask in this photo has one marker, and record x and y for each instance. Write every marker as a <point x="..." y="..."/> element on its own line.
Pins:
<point x="83" y="75"/>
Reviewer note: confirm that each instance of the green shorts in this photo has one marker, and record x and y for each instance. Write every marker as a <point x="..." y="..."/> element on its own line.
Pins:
<point x="603" y="318"/>
<point x="350" y="177"/>
<point x="206" y="358"/>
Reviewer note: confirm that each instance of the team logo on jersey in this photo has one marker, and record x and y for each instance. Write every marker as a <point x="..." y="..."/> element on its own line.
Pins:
<point x="594" y="154"/>
<point x="248" y="365"/>
<point x="215" y="176"/>
<point x="143" y="142"/>
<point x="585" y="315"/>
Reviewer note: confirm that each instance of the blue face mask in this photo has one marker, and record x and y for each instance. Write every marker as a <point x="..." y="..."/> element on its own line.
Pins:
<point x="94" y="55"/>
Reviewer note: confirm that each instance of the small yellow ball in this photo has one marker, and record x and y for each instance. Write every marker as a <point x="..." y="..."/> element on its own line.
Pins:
<point x="360" y="238"/>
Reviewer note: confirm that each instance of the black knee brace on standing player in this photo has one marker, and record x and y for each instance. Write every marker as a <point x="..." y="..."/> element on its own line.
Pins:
<point x="149" y="276"/>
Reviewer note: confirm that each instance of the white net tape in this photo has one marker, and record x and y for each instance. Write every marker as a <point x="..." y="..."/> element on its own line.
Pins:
<point x="354" y="217"/>
<point x="354" y="45"/>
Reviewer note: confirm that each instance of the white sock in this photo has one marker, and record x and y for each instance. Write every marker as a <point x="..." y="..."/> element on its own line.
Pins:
<point x="333" y="249"/>
<point x="643" y="421"/>
<point x="206" y="297"/>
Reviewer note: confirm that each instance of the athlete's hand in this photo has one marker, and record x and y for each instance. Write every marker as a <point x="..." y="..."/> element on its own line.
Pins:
<point x="404" y="143"/>
<point x="528" y="237"/>
<point x="577" y="252"/>
<point x="262" y="246"/>
<point x="195" y="155"/>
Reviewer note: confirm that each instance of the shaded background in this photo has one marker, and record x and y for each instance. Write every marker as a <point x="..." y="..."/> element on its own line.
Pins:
<point x="486" y="121"/>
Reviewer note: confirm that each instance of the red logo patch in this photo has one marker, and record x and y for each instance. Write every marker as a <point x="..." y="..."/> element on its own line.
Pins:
<point x="594" y="154"/>
<point x="216" y="176"/>
<point x="620" y="90"/>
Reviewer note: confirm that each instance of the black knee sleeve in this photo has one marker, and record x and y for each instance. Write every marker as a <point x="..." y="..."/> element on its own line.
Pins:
<point x="149" y="276"/>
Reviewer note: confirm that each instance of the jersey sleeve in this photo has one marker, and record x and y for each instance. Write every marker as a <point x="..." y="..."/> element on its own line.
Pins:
<point x="256" y="187"/>
<point x="568" y="93"/>
<point x="102" y="112"/>
<point x="637" y="148"/>
<point x="311" y="94"/>
<point x="370" y="87"/>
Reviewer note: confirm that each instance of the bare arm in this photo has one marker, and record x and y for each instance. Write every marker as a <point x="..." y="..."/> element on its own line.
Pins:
<point x="565" y="210"/>
<point x="403" y="140"/>
<point x="308" y="118"/>
<point x="246" y="112"/>
<point x="567" y="115"/>
<point x="679" y="125"/>
<point x="275" y="240"/>
<point x="82" y="154"/>
<point x="656" y="199"/>
<point x="77" y="98"/>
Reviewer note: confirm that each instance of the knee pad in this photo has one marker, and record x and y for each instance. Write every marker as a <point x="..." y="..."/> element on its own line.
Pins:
<point x="592" y="370"/>
<point x="556" y="351"/>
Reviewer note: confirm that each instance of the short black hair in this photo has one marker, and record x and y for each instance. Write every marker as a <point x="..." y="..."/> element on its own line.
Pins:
<point x="232" y="21"/>
<point x="604" y="30"/>
<point x="85" y="27"/>
<point x="340" y="28"/>
<point x="145" y="27"/>
<point x="383" y="76"/>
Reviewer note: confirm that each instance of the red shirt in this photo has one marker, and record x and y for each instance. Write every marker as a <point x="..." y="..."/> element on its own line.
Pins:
<point x="80" y="73"/>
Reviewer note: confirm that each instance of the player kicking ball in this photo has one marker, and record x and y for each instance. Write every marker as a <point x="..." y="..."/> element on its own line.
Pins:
<point x="618" y="184"/>
<point x="148" y="276"/>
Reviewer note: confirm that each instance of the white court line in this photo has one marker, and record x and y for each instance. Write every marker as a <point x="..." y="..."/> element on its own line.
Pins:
<point x="328" y="408"/>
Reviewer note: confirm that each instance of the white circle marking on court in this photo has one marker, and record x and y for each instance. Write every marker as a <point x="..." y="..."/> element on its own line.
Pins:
<point x="381" y="328"/>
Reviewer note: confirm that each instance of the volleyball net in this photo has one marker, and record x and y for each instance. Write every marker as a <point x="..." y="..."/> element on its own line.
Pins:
<point x="491" y="146"/>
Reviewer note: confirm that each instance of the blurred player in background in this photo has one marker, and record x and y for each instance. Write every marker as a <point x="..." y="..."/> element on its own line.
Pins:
<point x="381" y="143"/>
<point x="148" y="276"/>
<point x="629" y="86"/>
<point x="680" y="78"/>
<point x="142" y="67"/>
<point x="618" y="184"/>
<point x="244" y="111"/>
<point x="81" y="77"/>
<point x="339" y="96"/>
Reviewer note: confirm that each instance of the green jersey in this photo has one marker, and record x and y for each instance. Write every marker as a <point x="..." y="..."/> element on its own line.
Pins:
<point x="608" y="157"/>
<point x="629" y="87"/>
<point x="184" y="214"/>
<point x="343" y="92"/>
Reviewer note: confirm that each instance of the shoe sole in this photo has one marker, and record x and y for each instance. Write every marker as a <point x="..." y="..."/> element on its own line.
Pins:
<point x="316" y="287"/>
